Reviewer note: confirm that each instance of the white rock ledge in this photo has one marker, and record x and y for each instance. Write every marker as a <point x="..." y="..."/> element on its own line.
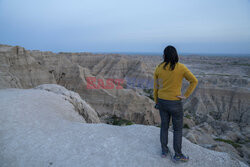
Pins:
<point x="40" y="128"/>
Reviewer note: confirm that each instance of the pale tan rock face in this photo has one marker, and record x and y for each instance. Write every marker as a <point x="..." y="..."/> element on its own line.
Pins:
<point x="21" y="68"/>
<point x="219" y="104"/>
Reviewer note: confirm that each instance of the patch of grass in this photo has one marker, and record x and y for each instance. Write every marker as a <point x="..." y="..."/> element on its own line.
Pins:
<point x="235" y="145"/>
<point x="247" y="141"/>
<point x="114" y="120"/>
<point x="244" y="142"/>
<point x="186" y="126"/>
<point x="188" y="116"/>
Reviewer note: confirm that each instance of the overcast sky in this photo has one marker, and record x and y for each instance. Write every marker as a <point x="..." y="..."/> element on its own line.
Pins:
<point x="193" y="26"/>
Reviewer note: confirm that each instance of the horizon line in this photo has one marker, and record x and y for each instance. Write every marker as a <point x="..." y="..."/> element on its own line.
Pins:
<point x="139" y="52"/>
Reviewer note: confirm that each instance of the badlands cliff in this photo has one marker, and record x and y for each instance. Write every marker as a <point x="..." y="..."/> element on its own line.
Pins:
<point x="216" y="115"/>
<point x="21" y="68"/>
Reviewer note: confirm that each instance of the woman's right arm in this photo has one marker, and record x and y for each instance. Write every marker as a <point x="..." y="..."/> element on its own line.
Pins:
<point x="156" y="86"/>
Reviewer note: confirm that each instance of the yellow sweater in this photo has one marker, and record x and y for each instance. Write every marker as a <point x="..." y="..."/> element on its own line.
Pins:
<point x="167" y="84"/>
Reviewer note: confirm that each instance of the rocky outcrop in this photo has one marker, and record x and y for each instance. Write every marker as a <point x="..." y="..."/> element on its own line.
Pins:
<point x="83" y="108"/>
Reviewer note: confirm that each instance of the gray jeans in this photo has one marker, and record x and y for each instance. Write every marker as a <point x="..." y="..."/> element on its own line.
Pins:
<point x="167" y="109"/>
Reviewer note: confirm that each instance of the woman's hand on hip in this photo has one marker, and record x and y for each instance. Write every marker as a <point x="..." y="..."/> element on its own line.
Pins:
<point x="157" y="106"/>
<point x="181" y="97"/>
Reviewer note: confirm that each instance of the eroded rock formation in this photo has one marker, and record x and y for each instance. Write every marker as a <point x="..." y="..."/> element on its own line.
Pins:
<point x="221" y="99"/>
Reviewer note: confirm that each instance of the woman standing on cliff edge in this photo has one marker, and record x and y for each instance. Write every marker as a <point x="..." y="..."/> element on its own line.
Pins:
<point x="167" y="96"/>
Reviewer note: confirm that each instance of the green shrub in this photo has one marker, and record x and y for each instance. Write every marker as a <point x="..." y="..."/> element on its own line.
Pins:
<point x="244" y="142"/>
<point x="186" y="126"/>
<point x="114" y="120"/>
<point x="188" y="116"/>
<point x="235" y="145"/>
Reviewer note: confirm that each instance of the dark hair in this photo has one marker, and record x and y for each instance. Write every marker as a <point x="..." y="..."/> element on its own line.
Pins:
<point x="170" y="56"/>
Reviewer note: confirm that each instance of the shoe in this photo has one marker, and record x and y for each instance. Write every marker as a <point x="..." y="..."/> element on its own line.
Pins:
<point x="164" y="154"/>
<point x="180" y="158"/>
